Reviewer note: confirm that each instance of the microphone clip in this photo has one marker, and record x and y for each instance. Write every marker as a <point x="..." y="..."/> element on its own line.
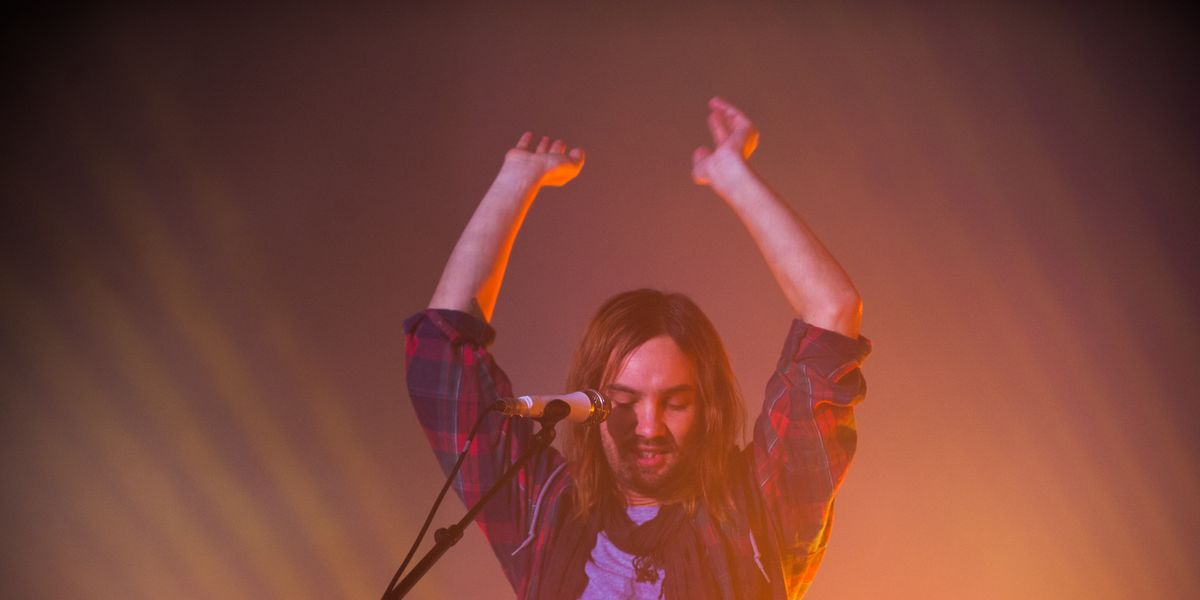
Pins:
<point x="555" y="411"/>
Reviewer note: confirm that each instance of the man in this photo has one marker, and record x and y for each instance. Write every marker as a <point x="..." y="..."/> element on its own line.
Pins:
<point x="657" y="501"/>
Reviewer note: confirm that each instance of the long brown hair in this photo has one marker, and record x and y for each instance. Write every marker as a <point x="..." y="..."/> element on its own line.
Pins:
<point x="622" y="324"/>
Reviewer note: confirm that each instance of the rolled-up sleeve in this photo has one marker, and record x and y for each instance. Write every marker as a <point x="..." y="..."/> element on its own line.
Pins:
<point x="452" y="380"/>
<point x="805" y="438"/>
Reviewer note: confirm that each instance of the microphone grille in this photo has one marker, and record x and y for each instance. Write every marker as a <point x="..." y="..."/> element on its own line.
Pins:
<point x="600" y="407"/>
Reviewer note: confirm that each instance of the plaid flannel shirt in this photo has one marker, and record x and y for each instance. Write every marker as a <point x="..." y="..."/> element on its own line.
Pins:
<point x="803" y="442"/>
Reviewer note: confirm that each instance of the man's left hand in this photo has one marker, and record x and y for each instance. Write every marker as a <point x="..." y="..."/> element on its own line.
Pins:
<point x="734" y="140"/>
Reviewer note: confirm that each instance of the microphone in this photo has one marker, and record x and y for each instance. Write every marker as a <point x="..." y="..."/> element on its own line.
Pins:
<point x="586" y="406"/>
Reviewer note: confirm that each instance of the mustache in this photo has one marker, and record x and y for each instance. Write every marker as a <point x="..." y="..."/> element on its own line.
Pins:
<point x="659" y="444"/>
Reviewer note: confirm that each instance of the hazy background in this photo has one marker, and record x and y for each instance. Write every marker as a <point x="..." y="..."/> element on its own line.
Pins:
<point x="215" y="223"/>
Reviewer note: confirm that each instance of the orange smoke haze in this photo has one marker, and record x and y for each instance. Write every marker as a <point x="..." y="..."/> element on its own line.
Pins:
<point x="216" y="224"/>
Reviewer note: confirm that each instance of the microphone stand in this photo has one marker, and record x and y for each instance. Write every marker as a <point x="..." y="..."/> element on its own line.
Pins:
<point x="447" y="537"/>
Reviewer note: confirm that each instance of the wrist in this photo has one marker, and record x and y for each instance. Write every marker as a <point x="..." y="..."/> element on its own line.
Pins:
<point x="517" y="168"/>
<point x="731" y="176"/>
<point x="519" y="176"/>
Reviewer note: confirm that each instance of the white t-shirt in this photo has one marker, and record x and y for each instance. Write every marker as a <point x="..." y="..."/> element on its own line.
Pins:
<point x="610" y="571"/>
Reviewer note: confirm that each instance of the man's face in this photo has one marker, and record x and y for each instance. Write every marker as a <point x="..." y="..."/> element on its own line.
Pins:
<point x="649" y="434"/>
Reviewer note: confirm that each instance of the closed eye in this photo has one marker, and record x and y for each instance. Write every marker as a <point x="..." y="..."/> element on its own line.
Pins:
<point x="622" y="398"/>
<point x="680" y="398"/>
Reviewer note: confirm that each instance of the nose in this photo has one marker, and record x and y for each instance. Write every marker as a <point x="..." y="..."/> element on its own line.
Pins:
<point x="650" y="422"/>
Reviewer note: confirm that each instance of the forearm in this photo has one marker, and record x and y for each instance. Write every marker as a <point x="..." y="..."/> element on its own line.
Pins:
<point x="816" y="286"/>
<point x="473" y="274"/>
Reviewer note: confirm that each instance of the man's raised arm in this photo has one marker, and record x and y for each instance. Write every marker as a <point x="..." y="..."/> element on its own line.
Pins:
<point x="473" y="274"/>
<point x="816" y="286"/>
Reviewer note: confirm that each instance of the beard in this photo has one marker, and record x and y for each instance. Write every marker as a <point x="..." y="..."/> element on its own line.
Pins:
<point x="658" y="468"/>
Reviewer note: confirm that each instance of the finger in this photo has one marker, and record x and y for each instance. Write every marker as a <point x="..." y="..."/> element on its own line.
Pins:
<point x="523" y="141"/>
<point x="558" y="147"/>
<point x="577" y="155"/>
<point x="740" y="139"/>
<point x="734" y="117"/>
<point x="716" y="126"/>
<point x="721" y="104"/>
<point x="543" y="144"/>
<point x="700" y="154"/>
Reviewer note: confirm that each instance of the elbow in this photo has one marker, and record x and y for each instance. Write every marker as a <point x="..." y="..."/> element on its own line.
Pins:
<point x="852" y="305"/>
<point x="844" y="304"/>
<point x="849" y="309"/>
<point x="840" y="312"/>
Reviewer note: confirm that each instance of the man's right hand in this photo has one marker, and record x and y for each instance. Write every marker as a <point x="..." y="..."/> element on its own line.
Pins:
<point x="549" y="164"/>
<point x="473" y="274"/>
